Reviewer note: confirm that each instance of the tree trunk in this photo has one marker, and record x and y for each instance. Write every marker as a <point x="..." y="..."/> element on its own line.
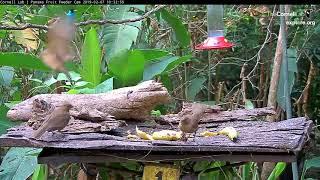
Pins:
<point x="272" y="97"/>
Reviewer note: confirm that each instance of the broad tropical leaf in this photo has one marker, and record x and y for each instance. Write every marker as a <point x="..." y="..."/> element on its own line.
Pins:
<point x="41" y="172"/>
<point x="105" y="86"/>
<point x="19" y="163"/>
<point x="118" y="37"/>
<point x="6" y="75"/>
<point x="195" y="87"/>
<point x="292" y="69"/>
<point x="180" y="31"/>
<point x="127" y="66"/>
<point x="277" y="171"/>
<point x="22" y="60"/>
<point x="310" y="163"/>
<point x="163" y="64"/>
<point x="5" y="123"/>
<point x="91" y="58"/>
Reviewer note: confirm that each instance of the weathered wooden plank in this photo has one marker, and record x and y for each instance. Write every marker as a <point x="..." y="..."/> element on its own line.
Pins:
<point x="254" y="136"/>
<point x="75" y="156"/>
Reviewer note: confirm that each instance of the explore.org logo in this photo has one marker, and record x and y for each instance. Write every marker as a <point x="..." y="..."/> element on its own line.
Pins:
<point x="304" y="21"/>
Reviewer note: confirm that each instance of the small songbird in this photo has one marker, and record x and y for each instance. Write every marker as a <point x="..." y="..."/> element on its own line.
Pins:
<point x="57" y="120"/>
<point x="189" y="123"/>
<point x="60" y="35"/>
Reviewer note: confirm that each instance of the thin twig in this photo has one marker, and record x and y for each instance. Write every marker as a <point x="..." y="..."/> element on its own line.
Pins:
<point x="89" y="22"/>
<point x="243" y="87"/>
<point x="109" y="21"/>
<point x="25" y="26"/>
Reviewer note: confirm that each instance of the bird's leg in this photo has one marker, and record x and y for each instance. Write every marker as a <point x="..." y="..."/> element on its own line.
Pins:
<point x="195" y="134"/>
<point x="184" y="137"/>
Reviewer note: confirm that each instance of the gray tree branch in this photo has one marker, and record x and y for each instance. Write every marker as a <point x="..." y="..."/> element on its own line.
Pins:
<point x="89" y="22"/>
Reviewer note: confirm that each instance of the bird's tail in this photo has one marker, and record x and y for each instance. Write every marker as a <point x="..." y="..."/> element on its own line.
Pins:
<point x="39" y="132"/>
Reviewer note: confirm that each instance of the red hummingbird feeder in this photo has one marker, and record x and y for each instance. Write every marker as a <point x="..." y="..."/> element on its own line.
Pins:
<point x="216" y="39"/>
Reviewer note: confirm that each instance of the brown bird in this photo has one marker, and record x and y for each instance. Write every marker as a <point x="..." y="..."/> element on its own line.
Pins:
<point x="60" y="35"/>
<point x="57" y="120"/>
<point x="189" y="123"/>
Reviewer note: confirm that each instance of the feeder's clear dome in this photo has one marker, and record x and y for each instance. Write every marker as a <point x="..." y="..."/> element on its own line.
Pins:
<point x="215" y="25"/>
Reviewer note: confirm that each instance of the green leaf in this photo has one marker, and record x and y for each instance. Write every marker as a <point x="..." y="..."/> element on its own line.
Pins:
<point x="91" y="58"/>
<point x="131" y="165"/>
<point x="163" y="65"/>
<point x="119" y="37"/>
<point x="292" y="57"/>
<point x="157" y="66"/>
<point x="73" y="91"/>
<point x="22" y="60"/>
<point x="127" y="66"/>
<point x="311" y="163"/>
<point x="36" y="80"/>
<point x="317" y="29"/>
<point x="41" y="172"/>
<point x="48" y="12"/>
<point x="42" y="17"/>
<point x="151" y="54"/>
<point x="195" y="87"/>
<point x="201" y="165"/>
<point x="105" y="86"/>
<point x="19" y="163"/>
<point x="3" y="34"/>
<point x="246" y="171"/>
<point x="5" y="123"/>
<point x="4" y="9"/>
<point x="156" y="113"/>
<point x="72" y="66"/>
<point x="292" y="69"/>
<point x="166" y="81"/>
<point x="81" y="84"/>
<point x="12" y="103"/>
<point x="179" y="61"/>
<point x="103" y="172"/>
<point x="249" y="104"/>
<point x="50" y="81"/>
<point x="179" y="29"/>
<point x="6" y="75"/>
<point x="213" y="175"/>
<point x="133" y="63"/>
<point x="277" y="171"/>
<point x="74" y="76"/>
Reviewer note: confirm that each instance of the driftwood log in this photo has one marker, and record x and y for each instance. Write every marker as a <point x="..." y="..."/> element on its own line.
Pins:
<point x="134" y="102"/>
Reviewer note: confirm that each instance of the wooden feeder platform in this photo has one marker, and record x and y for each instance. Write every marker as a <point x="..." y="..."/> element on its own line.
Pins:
<point x="99" y="128"/>
<point x="258" y="141"/>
